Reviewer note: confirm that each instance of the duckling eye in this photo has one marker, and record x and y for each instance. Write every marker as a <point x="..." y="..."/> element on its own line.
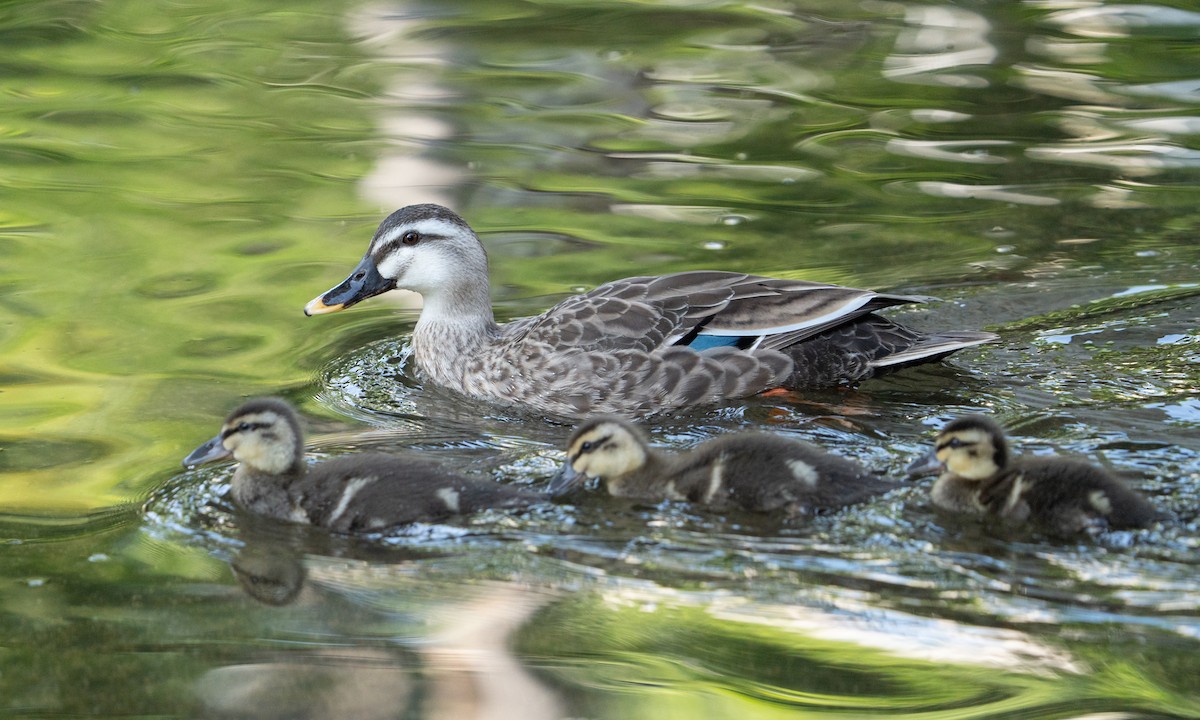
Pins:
<point x="412" y="237"/>
<point x="243" y="426"/>
<point x="587" y="446"/>
<point x="955" y="443"/>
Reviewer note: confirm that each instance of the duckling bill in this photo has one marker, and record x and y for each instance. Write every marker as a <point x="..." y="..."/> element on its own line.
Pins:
<point x="754" y="471"/>
<point x="364" y="492"/>
<point x="977" y="475"/>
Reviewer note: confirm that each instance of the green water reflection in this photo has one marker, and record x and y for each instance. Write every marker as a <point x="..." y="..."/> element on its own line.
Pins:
<point x="178" y="178"/>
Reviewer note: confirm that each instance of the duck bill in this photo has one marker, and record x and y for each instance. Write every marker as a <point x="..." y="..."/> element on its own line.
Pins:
<point x="927" y="464"/>
<point x="212" y="450"/>
<point x="565" y="480"/>
<point x="363" y="282"/>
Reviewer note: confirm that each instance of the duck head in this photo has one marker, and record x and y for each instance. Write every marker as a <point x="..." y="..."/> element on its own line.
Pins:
<point x="424" y="248"/>
<point x="262" y="434"/>
<point x="605" y="447"/>
<point x="971" y="447"/>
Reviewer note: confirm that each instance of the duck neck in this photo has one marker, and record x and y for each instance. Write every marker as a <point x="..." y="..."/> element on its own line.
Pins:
<point x="256" y="489"/>
<point x="957" y="494"/>
<point x="650" y="481"/>
<point x="454" y="323"/>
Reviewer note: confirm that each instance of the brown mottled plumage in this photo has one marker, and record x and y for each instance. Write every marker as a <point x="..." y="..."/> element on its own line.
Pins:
<point x="1063" y="496"/>
<point x="632" y="346"/>
<point x="365" y="492"/>
<point x="753" y="471"/>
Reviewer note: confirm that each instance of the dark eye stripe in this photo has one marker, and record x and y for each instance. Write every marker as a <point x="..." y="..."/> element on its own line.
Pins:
<point x="593" y="445"/>
<point x="955" y="443"/>
<point x="397" y="242"/>
<point x="245" y="427"/>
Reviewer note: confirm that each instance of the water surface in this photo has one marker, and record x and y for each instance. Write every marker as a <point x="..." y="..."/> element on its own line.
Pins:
<point x="180" y="178"/>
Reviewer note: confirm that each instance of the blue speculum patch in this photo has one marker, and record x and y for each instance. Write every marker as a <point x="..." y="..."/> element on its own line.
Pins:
<point x="707" y="342"/>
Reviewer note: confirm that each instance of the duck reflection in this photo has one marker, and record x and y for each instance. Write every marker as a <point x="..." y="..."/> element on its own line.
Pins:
<point x="461" y="668"/>
<point x="272" y="575"/>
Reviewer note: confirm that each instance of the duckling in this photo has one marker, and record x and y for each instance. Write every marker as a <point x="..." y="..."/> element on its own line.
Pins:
<point x="754" y="471"/>
<point x="366" y="492"/>
<point x="1064" y="496"/>
<point x="630" y="347"/>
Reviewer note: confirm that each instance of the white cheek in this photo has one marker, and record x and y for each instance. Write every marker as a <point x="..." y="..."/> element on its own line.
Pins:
<point x="429" y="269"/>
<point x="394" y="265"/>
<point x="421" y="271"/>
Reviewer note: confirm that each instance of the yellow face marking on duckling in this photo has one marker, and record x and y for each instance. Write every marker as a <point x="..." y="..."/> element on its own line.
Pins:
<point x="262" y="440"/>
<point x="607" y="451"/>
<point x="970" y="454"/>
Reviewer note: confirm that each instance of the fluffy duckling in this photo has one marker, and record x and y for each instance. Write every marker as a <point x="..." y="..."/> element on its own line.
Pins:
<point x="1064" y="496"/>
<point x="753" y="471"/>
<point x="365" y="492"/>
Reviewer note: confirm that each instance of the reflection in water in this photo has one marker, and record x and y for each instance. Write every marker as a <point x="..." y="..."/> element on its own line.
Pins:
<point x="330" y="683"/>
<point x="1123" y="20"/>
<point x="271" y="573"/>
<point x="461" y="665"/>
<point x="404" y="174"/>
<point x="944" y="38"/>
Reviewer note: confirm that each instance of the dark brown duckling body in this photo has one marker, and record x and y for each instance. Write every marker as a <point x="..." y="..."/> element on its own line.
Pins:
<point x="753" y="471"/>
<point x="367" y="492"/>
<point x="1063" y="496"/>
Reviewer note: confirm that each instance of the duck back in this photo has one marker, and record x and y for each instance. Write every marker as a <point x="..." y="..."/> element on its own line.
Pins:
<point x="1066" y="496"/>
<point x="373" y="491"/>
<point x="761" y="472"/>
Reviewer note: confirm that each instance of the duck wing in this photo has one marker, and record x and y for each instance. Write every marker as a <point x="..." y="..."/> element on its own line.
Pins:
<point x="700" y="309"/>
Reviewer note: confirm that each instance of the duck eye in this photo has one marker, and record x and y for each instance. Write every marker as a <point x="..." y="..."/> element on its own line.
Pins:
<point x="587" y="446"/>
<point x="955" y="443"/>
<point x="412" y="237"/>
<point x="243" y="426"/>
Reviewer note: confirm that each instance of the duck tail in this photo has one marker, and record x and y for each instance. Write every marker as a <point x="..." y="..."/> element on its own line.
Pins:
<point x="932" y="348"/>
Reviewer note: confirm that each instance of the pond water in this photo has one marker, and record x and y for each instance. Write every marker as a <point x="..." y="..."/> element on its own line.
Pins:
<point x="180" y="178"/>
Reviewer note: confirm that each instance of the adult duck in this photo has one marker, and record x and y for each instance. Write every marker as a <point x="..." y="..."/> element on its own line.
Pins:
<point x="633" y="346"/>
<point x="360" y="492"/>
<point x="978" y="475"/>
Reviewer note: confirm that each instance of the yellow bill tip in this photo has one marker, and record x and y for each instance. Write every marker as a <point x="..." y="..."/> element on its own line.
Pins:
<point x="317" y="306"/>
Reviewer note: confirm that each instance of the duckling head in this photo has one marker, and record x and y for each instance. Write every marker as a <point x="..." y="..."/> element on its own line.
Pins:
<point x="425" y="248"/>
<point x="971" y="447"/>
<point x="262" y="434"/>
<point x="604" y="447"/>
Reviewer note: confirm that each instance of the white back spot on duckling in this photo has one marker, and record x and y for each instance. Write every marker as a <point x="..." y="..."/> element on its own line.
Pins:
<point x="352" y="488"/>
<point x="715" y="478"/>
<point x="298" y="515"/>
<point x="1015" y="507"/>
<point x="1099" y="500"/>
<point x="803" y="472"/>
<point x="449" y="496"/>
